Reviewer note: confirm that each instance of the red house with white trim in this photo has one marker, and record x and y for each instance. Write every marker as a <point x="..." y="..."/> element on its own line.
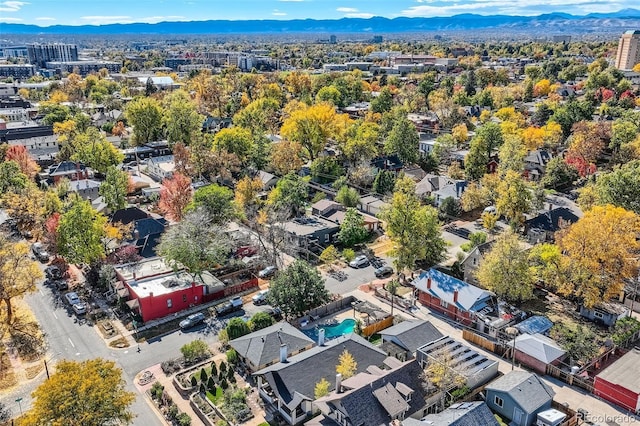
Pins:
<point x="619" y="383"/>
<point x="452" y="297"/>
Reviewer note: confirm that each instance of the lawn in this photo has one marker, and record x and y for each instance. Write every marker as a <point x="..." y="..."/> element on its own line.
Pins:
<point x="217" y="398"/>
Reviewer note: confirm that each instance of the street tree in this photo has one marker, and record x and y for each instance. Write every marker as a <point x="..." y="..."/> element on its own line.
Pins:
<point x="413" y="228"/>
<point x="297" y="289"/>
<point x="80" y="233"/>
<point x="403" y="140"/>
<point x="175" y="195"/>
<point x="600" y="251"/>
<point x="181" y="119"/>
<point x="18" y="273"/>
<point x="505" y="269"/>
<point x="352" y="229"/>
<point x="347" y="365"/>
<point x="195" y="243"/>
<point x="217" y="201"/>
<point x="621" y="187"/>
<point x="87" y="393"/>
<point x="114" y="189"/>
<point x="26" y="208"/>
<point x="145" y="115"/>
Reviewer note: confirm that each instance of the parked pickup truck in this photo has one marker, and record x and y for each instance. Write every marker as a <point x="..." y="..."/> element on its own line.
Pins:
<point x="225" y="308"/>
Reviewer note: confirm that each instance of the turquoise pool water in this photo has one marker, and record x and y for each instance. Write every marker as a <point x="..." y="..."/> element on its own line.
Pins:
<point x="332" y="331"/>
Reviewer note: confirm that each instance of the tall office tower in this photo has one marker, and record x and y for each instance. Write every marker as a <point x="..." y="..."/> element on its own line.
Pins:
<point x="40" y="54"/>
<point x="628" y="50"/>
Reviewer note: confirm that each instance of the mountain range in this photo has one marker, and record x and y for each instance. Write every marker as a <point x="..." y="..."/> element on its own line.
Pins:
<point x="559" y="22"/>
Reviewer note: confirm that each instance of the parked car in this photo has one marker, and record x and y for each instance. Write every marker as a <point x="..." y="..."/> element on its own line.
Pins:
<point x="359" y="262"/>
<point x="192" y="320"/>
<point x="267" y="272"/>
<point x="72" y="298"/>
<point x="275" y="313"/>
<point x="383" y="272"/>
<point x="79" y="308"/>
<point x="61" y="284"/>
<point x="261" y="297"/>
<point x="225" y="308"/>
<point x="40" y="253"/>
<point x="53" y="272"/>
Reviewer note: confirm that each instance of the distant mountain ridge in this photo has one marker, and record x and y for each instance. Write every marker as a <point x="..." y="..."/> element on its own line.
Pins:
<point x="623" y="19"/>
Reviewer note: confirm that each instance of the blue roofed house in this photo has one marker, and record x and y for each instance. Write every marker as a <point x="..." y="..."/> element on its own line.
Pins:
<point x="535" y="324"/>
<point x="450" y="296"/>
<point x="519" y="396"/>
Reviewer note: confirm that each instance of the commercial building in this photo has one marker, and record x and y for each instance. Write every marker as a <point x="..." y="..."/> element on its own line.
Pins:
<point x="40" y="54"/>
<point x="83" y="67"/>
<point x="628" y="50"/>
<point x="18" y="71"/>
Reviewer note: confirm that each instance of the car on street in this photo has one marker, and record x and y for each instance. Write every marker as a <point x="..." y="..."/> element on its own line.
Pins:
<point x="72" y="298"/>
<point x="383" y="272"/>
<point x="60" y="284"/>
<point x="192" y="320"/>
<point x="275" y="313"/>
<point x="359" y="262"/>
<point x="79" y="308"/>
<point x="53" y="272"/>
<point x="267" y="272"/>
<point x="40" y="253"/>
<point x="261" y="297"/>
<point x="234" y="304"/>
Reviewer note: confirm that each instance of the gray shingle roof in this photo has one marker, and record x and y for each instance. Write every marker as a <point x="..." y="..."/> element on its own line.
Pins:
<point x="526" y="389"/>
<point x="462" y="414"/>
<point x="263" y="346"/>
<point x="624" y="372"/>
<point x="539" y="347"/>
<point x="391" y="400"/>
<point x="413" y="334"/>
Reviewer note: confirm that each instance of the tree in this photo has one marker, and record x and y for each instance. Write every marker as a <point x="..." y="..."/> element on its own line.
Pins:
<point x="194" y="351"/>
<point x="392" y="288"/>
<point x="247" y="190"/>
<point x="259" y="116"/>
<point x="181" y="119"/>
<point x="20" y="155"/>
<point x="384" y="182"/>
<point x="329" y="94"/>
<point x="26" y="208"/>
<point x="235" y="140"/>
<point x="414" y="229"/>
<point x="505" y="269"/>
<point x="93" y="149"/>
<point x="145" y="115"/>
<point x="297" y="289"/>
<point x="450" y="207"/>
<point x="403" y="140"/>
<point x="442" y="373"/>
<point x="237" y="327"/>
<point x="217" y="201"/>
<point x="511" y="155"/>
<point x="362" y="142"/>
<point x="599" y="250"/>
<point x="558" y="174"/>
<point x="514" y="198"/>
<point x="114" y="189"/>
<point x="11" y="177"/>
<point x="322" y="388"/>
<point x="88" y="393"/>
<point x="352" y="229"/>
<point x="195" y="243"/>
<point x="329" y="255"/>
<point x="175" y="195"/>
<point x="460" y="133"/>
<point x="80" y="233"/>
<point x="347" y="365"/>
<point x="286" y="157"/>
<point x="383" y="102"/>
<point x="325" y="169"/>
<point x="18" y="273"/>
<point x="290" y="193"/>
<point x="348" y="197"/>
<point x="579" y="342"/>
<point x="621" y="187"/>
<point x="260" y="320"/>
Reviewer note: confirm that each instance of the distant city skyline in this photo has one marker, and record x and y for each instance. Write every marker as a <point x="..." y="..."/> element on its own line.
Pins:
<point x="101" y="12"/>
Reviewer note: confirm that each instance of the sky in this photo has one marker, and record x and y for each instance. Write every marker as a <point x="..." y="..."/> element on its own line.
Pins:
<point x="100" y="12"/>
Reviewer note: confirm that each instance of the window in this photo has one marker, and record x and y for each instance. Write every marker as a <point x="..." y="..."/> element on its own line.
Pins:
<point x="326" y="238"/>
<point x="169" y="303"/>
<point x="184" y="298"/>
<point x="444" y="304"/>
<point x="498" y="401"/>
<point x="598" y="315"/>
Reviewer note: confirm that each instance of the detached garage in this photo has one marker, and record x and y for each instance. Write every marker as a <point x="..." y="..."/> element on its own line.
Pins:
<point x="620" y="382"/>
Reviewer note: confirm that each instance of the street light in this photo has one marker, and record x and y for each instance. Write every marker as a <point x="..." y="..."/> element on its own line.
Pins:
<point x="513" y="332"/>
<point x="19" y="401"/>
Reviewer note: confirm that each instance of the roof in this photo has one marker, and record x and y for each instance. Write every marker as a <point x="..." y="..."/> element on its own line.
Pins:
<point x="84" y="184"/>
<point x="624" y="372"/>
<point x="535" y="324"/>
<point x="324" y="204"/>
<point x="460" y="414"/>
<point x="263" y="346"/>
<point x="391" y="400"/>
<point x="305" y="225"/>
<point x="265" y="177"/>
<point x="539" y="347"/>
<point x="387" y="162"/>
<point x="443" y="286"/>
<point x="158" y="81"/>
<point x="65" y="168"/>
<point x="412" y="334"/>
<point x="148" y="226"/>
<point x="552" y="220"/>
<point x="465" y="360"/>
<point x="128" y="215"/>
<point x="526" y="389"/>
<point x="295" y="380"/>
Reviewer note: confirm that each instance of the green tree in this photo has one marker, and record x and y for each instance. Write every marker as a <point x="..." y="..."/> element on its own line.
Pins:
<point x="392" y="287"/>
<point x="217" y="202"/>
<point x="384" y="182"/>
<point x="559" y="174"/>
<point x="511" y="155"/>
<point x="621" y="187"/>
<point x="414" y="229"/>
<point x="325" y="169"/>
<point x="235" y="140"/>
<point x="329" y="255"/>
<point x="145" y="115"/>
<point x="403" y="140"/>
<point x="259" y="116"/>
<point x="505" y="269"/>
<point x="114" y="189"/>
<point x="260" y="320"/>
<point x="11" y="178"/>
<point x="80" y="233"/>
<point x="194" y="351"/>
<point x="362" y="142"/>
<point x="383" y="102"/>
<point x="329" y="94"/>
<point x="237" y="327"/>
<point x="88" y="393"/>
<point x="352" y="229"/>
<point x="622" y="132"/>
<point x="427" y="85"/>
<point x="290" y="193"/>
<point x="93" y="149"/>
<point x="297" y="289"/>
<point x="579" y="342"/>
<point x="181" y="119"/>
<point x="514" y="198"/>
<point x="348" y="197"/>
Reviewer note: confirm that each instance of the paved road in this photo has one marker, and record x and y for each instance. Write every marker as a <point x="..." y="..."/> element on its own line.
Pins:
<point x="355" y="278"/>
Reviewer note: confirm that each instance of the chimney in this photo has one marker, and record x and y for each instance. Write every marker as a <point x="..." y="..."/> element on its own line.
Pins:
<point x="283" y="353"/>
<point x="134" y="276"/>
<point x="550" y="206"/>
<point x="338" y="383"/>
<point x="455" y="296"/>
<point x="321" y="337"/>
<point x="428" y="282"/>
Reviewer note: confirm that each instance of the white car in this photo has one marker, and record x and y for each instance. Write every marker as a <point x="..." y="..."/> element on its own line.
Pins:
<point x="79" y="308"/>
<point x="359" y="262"/>
<point x="72" y="298"/>
<point x="260" y="298"/>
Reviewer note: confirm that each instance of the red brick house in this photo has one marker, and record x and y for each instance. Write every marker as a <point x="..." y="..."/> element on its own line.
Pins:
<point x="619" y="383"/>
<point x="450" y="296"/>
<point x="537" y="351"/>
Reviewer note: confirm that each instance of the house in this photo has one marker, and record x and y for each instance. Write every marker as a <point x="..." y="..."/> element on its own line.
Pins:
<point x="288" y="386"/>
<point x="460" y="414"/>
<point x="87" y="189"/>
<point x="453" y="190"/>
<point x="215" y="124"/>
<point x="407" y="336"/>
<point x="605" y="313"/>
<point x="537" y="351"/>
<point x="66" y="170"/>
<point x="619" y="383"/>
<point x="476" y="368"/>
<point x="543" y="227"/>
<point x="471" y="263"/>
<point x="311" y="233"/>
<point x="371" y="204"/>
<point x="376" y="396"/>
<point x="160" y="168"/>
<point x="262" y="348"/>
<point x="535" y="164"/>
<point x="268" y="180"/>
<point x="387" y="162"/>
<point x="146" y="235"/>
<point x="39" y="140"/>
<point x="519" y="396"/>
<point x="440" y="187"/>
<point x="335" y="212"/>
<point x="450" y="296"/>
<point x="128" y="215"/>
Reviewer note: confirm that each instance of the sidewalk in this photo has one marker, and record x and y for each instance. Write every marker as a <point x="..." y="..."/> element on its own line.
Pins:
<point x="575" y="398"/>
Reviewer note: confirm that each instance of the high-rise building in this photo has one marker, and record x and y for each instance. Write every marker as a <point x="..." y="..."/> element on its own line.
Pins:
<point x="628" y="50"/>
<point x="40" y="54"/>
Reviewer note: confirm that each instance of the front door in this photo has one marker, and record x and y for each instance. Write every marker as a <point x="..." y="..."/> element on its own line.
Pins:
<point x="518" y="414"/>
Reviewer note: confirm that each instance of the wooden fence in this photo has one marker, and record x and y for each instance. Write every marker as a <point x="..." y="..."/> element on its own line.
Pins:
<point x="570" y="379"/>
<point x="482" y="342"/>
<point x="377" y="326"/>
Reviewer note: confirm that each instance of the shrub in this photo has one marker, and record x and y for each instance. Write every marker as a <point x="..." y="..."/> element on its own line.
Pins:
<point x="194" y="351"/>
<point x="214" y="368"/>
<point x="203" y="375"/>
<point x="194" y="381"/>
<point x="173" y="411"/>
<point x="184" y="419"/>
<point x="348" y="254"/>
<point x="232" y="356"/>
<point x="224" y="384"/>
<point x="203" y="388"/>
<point x="156" y="390"/>
<point x="211" y="384"/>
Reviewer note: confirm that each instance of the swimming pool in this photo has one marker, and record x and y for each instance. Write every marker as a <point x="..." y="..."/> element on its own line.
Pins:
<point x="332" y="331"/>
